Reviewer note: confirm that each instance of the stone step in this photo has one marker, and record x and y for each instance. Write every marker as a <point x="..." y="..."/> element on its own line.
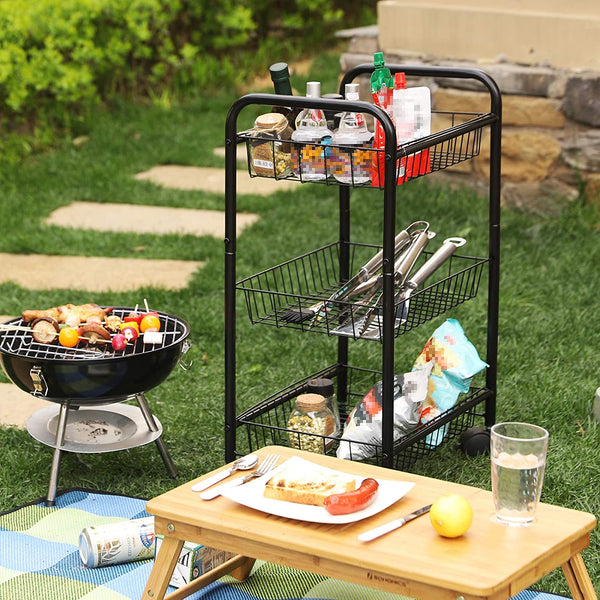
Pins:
<point x="211" y="180"/>
<point x="145" y="219"/>
<point x="94" y="273"/>
<point x="16" y="406"/>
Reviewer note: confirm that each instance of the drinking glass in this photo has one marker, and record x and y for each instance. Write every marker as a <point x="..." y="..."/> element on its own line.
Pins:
<point x="518" y="456"/>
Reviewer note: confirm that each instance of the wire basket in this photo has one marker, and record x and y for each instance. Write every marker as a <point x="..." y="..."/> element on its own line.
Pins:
<point x="265" y="423"/>
<point x="296" y="294"/>
<point x="363" y="166"/>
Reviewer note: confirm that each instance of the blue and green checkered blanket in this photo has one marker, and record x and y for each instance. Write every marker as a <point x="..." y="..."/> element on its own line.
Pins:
<point x="39" y="560"/>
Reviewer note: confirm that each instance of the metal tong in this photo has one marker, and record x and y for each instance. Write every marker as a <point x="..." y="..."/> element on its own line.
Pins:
<point x="402" y="267"/>
<point x="366" y="277"/>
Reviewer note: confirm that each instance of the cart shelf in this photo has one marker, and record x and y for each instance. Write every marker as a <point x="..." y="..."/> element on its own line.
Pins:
<point x="459" y="142"/>
<point x="265" y="423"/>
<point x="283" y="295"/>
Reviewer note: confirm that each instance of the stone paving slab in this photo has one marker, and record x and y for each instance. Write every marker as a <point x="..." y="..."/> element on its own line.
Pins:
<point x="211" y="180"/>
<point x="94" y="274"/>
<point x="145" y="219"/>
<point x="16" y="406"/>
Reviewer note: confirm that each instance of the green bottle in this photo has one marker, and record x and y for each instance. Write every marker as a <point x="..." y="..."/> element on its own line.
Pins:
<point x="280" y="76"/>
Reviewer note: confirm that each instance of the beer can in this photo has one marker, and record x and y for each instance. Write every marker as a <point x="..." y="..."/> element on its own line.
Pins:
<point x="122" y="542"/>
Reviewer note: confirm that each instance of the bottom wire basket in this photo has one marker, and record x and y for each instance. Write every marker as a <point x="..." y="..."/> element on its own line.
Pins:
<point x="265" y="423"/>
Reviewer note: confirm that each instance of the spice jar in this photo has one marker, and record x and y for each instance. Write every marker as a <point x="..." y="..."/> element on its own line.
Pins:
<point x="311" y="419"/>
<point x="325" y="388"/>
<point x="270" y="158"/>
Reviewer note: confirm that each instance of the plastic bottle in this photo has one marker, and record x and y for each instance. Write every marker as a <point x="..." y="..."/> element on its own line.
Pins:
<point x="382" y="85"/>
<point x="411" y="110"/>
<point x="411" y="113"/>
<point x="312" y="136"/>
<point x="351" y="164"/>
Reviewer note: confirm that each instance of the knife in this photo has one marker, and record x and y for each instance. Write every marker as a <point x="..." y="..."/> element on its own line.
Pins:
<point x="367" y="536"/>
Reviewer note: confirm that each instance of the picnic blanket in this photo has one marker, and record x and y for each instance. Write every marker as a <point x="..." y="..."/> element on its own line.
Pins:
<point x="39" y="560"/>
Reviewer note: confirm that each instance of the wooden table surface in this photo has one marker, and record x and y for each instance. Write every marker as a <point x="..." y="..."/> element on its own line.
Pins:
<point x="490" y="561"/>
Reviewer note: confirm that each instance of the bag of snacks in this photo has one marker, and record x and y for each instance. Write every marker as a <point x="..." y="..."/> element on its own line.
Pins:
<point x="454" y="362"/>
<point x="362" y="431"/>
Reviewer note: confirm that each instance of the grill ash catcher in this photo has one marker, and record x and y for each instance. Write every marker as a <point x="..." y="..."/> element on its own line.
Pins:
<point x="89" y="387"/>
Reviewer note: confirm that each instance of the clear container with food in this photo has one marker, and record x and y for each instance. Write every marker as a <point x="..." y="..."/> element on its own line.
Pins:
<point x="309" y="423"/>
<point x="269" y="147"/>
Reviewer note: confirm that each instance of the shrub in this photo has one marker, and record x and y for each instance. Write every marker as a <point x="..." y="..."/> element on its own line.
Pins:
<point x="59" y="57"/>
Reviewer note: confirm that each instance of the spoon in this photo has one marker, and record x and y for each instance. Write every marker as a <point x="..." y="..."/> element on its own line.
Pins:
<point x="242" y="464"/>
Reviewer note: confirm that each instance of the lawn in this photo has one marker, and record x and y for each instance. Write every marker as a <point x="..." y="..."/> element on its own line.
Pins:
<point x="549" y="337"/>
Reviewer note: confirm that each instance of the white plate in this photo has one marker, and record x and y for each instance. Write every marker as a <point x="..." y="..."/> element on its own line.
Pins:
<point x="251" y="495"/>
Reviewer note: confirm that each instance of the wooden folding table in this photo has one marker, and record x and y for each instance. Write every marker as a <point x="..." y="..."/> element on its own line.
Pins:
<point x="490" y="561"/>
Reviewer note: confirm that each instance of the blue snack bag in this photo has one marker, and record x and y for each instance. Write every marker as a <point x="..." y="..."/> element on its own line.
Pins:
<point x="455" y="363"/>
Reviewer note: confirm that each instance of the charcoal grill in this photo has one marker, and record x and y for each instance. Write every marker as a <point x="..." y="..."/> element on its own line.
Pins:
<point x="81" y="379"/>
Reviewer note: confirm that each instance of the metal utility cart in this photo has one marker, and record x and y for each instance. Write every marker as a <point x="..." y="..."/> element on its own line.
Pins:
<point x="312" y="277"/>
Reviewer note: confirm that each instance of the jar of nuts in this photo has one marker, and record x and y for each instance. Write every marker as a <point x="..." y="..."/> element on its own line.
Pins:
<point x="310" y="420"/>
<point x="269" y="147"/>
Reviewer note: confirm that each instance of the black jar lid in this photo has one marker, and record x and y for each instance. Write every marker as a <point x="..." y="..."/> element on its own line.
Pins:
<point x="321" y="386"/>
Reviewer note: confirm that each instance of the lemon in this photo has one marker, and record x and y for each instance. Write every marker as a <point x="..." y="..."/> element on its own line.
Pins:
<point x="451" y="516"/>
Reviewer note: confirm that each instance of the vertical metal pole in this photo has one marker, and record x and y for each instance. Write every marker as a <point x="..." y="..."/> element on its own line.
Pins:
<point x="389" y="233"/>
<point x="58" y="442"/>
<point x="230" y="280"/>
<point x="344" y="236"/>
<point x="152" y="426"/>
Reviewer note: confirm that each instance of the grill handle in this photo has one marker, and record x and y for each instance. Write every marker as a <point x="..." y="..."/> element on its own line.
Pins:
<point x="39" y="381"/>
<point x="186" y="365"/>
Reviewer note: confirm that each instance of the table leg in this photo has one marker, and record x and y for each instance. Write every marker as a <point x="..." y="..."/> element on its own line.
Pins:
<point x="237" y="566"/>
<point x="578" y="579"/>
<point x="163" y="568"/>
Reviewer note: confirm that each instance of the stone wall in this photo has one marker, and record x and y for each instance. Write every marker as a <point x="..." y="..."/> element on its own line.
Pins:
<point x="551" y="124"/>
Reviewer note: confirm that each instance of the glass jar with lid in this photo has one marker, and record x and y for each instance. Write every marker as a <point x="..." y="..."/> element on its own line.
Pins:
<point x="309" y="422"/>
<point x="269" y="148"/>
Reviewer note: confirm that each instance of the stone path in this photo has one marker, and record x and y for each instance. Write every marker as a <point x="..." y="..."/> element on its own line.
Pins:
<point x="41" y="272"/>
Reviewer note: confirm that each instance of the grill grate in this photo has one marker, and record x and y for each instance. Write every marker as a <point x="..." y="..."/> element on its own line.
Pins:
<point x="21" y="343"/>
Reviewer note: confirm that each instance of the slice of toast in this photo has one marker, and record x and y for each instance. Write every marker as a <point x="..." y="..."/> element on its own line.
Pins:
<point x="307" y="486"/>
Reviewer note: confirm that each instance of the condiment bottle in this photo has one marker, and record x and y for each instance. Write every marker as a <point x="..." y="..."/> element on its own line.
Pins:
<point x="312" y="137"/>
<point x="325" y="387"/>
<point x="350" y="158"/>
<point x="270" y="158"/>
<point x="308" y="422"/>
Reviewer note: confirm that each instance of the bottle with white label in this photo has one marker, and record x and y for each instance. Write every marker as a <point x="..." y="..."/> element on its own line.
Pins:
<point x="411" y="110"/>
<point x="351" y="155"/>
<point x="312" y="140"/>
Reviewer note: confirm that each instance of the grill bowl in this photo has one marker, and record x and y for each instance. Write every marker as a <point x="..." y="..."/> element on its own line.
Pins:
<point x="87" y="376"/>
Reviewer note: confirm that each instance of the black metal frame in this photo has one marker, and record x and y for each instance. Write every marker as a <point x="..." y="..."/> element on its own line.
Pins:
<point x="392" y="153"/>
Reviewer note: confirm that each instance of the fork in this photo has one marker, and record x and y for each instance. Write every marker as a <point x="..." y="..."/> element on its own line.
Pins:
<point x="268" y="464"/>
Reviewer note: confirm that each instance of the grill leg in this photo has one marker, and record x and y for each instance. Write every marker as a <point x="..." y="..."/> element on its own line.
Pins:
<point x="58" y="442"/>
<point x="152" y="426"/>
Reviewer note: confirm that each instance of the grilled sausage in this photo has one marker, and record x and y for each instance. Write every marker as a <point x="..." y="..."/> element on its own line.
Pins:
<point x="349" y="502"/>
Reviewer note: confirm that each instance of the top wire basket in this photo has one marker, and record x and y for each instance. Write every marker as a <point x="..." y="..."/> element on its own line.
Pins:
<point x="363" y="166"/>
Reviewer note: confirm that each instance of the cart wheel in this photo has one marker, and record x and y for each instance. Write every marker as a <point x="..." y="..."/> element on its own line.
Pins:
<point x="474" y="441"/>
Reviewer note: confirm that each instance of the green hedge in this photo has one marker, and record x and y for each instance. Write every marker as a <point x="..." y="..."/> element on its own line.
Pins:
<point x="57" y="55"/>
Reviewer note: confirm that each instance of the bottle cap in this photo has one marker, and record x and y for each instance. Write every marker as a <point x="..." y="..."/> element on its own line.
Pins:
<point x="313" y="89"/>
<point x="352" y="91"/>
<point x="279" y="71"/>
<point x="399" y="81"/>
<point x="378" y="59"/>
<point x="322" y="386"/>
<point x="270" y="121"/>
<point x="310" y="402"/>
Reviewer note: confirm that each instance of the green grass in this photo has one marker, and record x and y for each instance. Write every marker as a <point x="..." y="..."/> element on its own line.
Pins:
<point x="549" y="336"/>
